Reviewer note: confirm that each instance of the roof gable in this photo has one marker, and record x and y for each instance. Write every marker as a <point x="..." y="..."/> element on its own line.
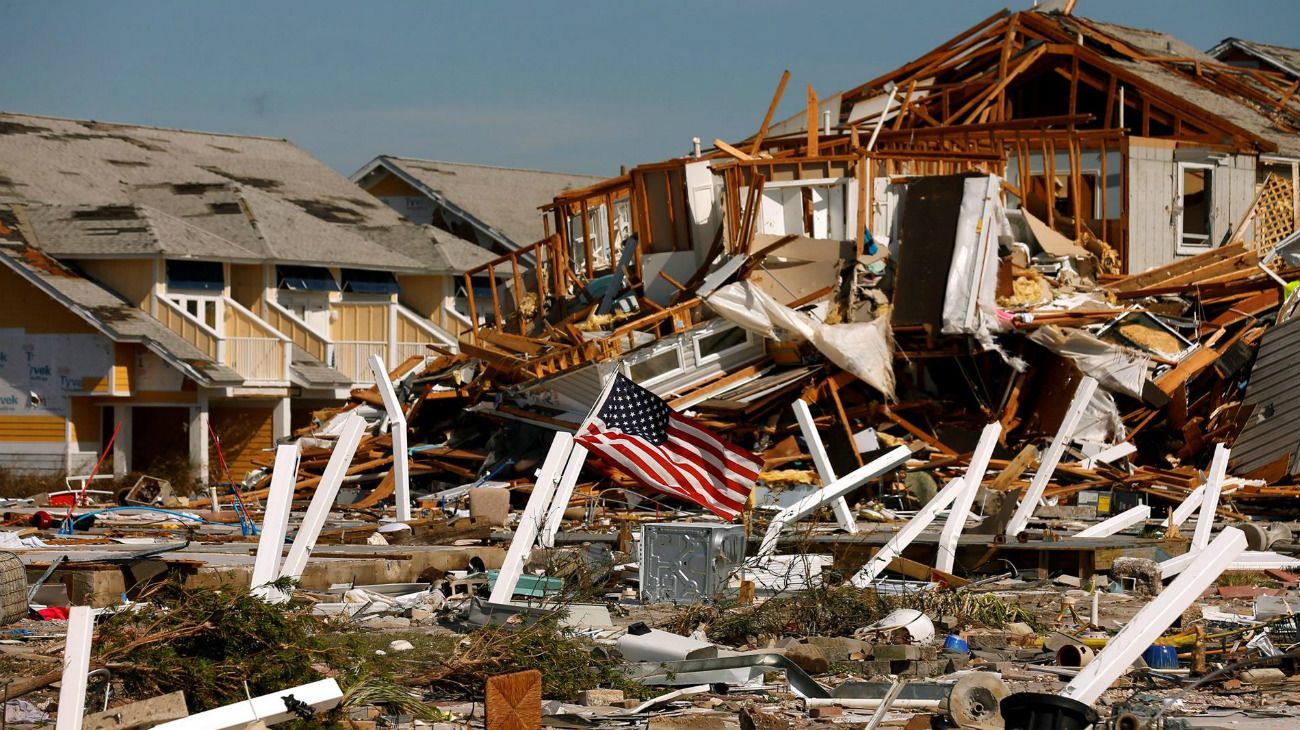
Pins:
<point x="501" y="200"/>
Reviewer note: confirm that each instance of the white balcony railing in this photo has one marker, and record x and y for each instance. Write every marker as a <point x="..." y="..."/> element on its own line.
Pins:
<point x="423" y="330"/>
<point x="404" y="350"/>
<point x="351" y="356"/>
<point x="257" y="358"/>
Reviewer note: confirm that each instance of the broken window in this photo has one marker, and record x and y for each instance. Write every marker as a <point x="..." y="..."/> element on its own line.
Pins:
<point x="1195" y="206"/>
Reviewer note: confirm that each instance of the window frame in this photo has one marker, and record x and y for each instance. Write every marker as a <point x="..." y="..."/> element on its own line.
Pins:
<point x="701" y="358"/>
<point x="654" y="353"/>
<point x="1183" y="247"/>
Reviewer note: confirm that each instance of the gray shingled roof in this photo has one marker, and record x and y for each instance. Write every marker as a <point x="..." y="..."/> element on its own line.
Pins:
<point x="305" y="370"/>
<point x="1156" y="43"/>
<point x="1280" y="58"/>
<point x="503" y="198"/>
<point x="126" y="230"/>
<point x="117" y="318"/>
<point x="263" y="196"/>
<point x="1217" y="104"/>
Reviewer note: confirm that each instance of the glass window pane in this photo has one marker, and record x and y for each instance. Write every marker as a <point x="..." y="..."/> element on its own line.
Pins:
<point x="654" y="366"/>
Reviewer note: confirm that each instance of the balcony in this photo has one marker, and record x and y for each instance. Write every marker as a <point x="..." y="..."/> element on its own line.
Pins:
<point x="360" y="329"/>
<point x="229" y="334"/>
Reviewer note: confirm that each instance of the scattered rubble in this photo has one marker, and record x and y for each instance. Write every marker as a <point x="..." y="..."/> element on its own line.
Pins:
<point x="935" y="465"/>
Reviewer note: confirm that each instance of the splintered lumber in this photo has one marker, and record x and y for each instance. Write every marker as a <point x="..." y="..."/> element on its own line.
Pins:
<point x="382" y="491"/>
<point x="1191" y="366"/>
<point x="757" y="144"/>
<point x="927" y="438"/>
<point x="813" y="122"/>
<point x="1163" y="274"/>
<point x="720" y="144"/>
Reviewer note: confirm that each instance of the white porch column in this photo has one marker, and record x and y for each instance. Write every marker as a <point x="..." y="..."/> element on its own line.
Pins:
<point x="199" y="438"/>
<point x="280" y="417"/>
<point x="392" y="333"/>
<point x="122" y="445"/>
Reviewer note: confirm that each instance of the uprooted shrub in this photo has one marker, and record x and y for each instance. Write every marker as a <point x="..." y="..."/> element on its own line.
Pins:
<point x="569" y="664"/>
<point x="836" y="611"/>
<point x="208" y="643"/>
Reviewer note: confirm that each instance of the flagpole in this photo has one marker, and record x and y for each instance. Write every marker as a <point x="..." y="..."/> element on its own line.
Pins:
<point x="604" y="395"/>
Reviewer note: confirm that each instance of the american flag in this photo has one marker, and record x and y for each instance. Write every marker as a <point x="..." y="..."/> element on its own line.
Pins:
<point x="637" y="432"/>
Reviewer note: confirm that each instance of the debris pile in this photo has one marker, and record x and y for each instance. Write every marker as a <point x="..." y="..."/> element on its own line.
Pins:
<point x="795" y="429"/>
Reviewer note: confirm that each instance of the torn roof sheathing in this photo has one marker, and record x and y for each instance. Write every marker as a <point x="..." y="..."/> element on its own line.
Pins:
<point x="1282" y="58"/>
<point x="1007" y="47"/>
<point x="266" y="198"/>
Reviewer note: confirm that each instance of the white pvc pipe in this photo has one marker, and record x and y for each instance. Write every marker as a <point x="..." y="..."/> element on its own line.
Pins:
<point x="1210" y="503"/>
<point x="1153" y="619"/>
<point x="530" y="523"/>
<point x="910" y="532"/>
<point x="397" y="423"/>
<point x="1188" y="506"/>
<point x="1047" y="466"/>
<point x="321" y="502"/>
<point x="979" y="463"/>
<point x="871" y="703"/>
<point x="835" y="490"/>
<point x="275" y="520"/>
<point x="1249" y="561"/>
<point x="76" y="667"/>
<point x="560" y="500"/>
<point x="1122" y="521"/>
<point x="269" y="708"/>
<point x="822" y="461"/>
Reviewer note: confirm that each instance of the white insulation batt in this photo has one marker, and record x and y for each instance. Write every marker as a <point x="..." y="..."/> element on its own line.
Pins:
<point x="862" y="348"/>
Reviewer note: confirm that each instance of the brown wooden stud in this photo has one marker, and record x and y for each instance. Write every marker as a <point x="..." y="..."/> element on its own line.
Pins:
<point x="812" y="121"/>
<point x="757" y="144"/>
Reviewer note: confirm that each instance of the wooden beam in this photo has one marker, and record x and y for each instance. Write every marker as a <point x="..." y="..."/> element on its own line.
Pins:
<point x="812" y="121"/>
<point x="767" y="118"/>
<point x="742" y="156"/>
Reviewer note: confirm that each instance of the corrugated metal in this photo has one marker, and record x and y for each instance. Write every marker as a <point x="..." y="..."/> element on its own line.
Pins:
<point x="1273" y="395"/>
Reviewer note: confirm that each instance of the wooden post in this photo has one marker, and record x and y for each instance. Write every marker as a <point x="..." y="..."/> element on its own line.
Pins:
<point x="812" y="122"/>
<point x="771" y="109"/>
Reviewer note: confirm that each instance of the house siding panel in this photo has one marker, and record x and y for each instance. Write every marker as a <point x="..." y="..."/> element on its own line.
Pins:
<point x="1152" y="238"/>
<point x="246" y="433"/>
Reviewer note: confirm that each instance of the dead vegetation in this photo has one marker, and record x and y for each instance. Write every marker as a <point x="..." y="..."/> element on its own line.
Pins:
<point x="836" y="611"/>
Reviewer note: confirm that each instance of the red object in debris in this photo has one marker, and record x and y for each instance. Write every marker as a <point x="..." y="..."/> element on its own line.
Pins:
<point x="1282" y="575"/>
<point x="42" y="519"/>
<point x="54" y="613"/>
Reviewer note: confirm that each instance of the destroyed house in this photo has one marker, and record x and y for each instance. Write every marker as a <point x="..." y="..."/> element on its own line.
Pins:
<point x="196" y="279"/>
<point x="1116" y="151"/>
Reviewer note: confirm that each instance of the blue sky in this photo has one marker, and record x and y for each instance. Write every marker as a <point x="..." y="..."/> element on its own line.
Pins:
<point x="573" y="86"/>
